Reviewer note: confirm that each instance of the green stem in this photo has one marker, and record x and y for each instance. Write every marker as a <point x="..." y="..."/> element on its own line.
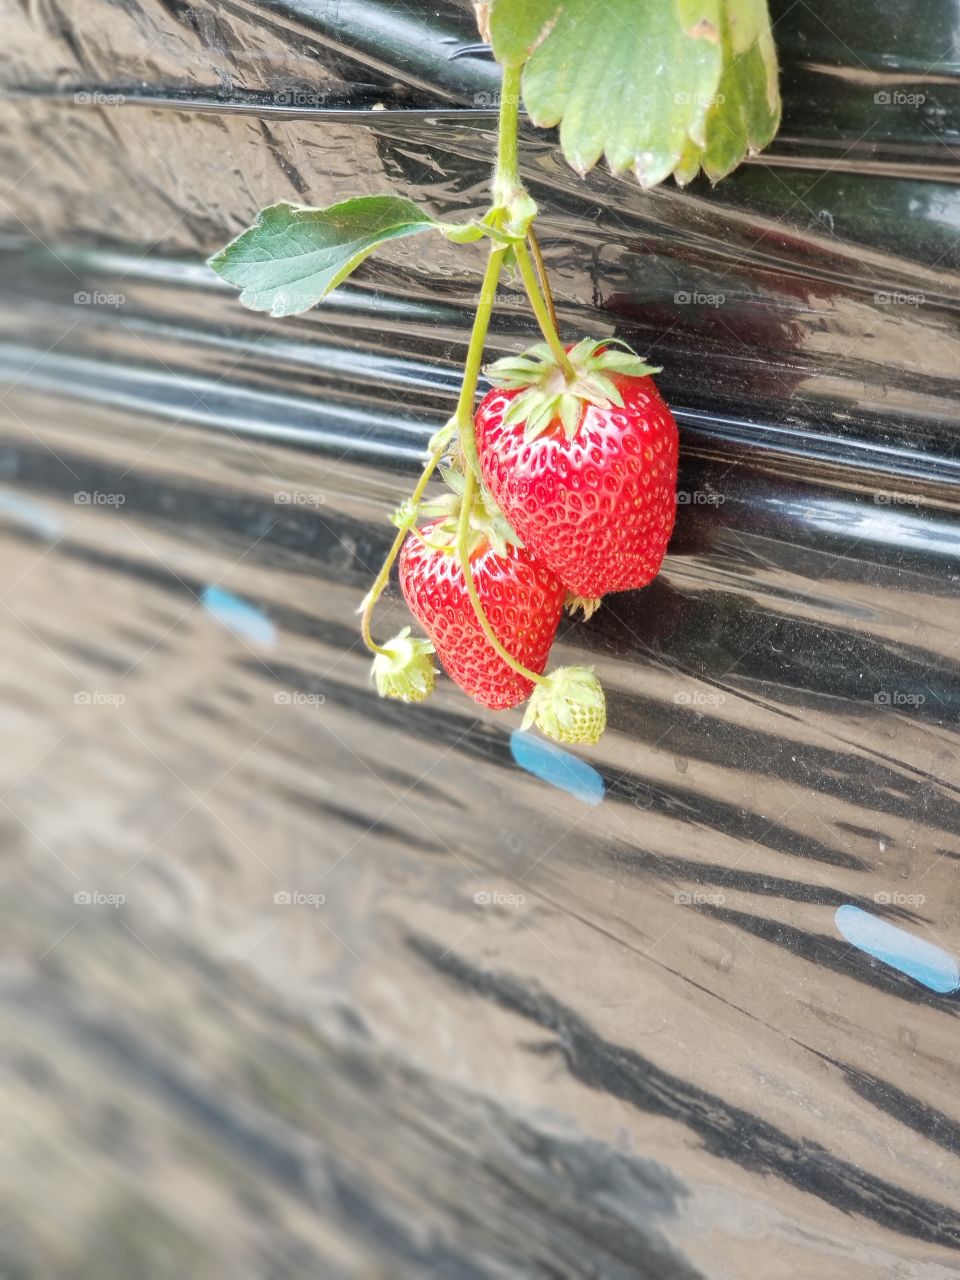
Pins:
<point x="542" y="276"/>
<point x="506" y="186"/>
<point x="529" y="277"/>
<point x="463" y="417"/>
<point x="463" y="553"/>
<point x="506" y="181"/>
<point x="373" y="595"/>
<point x="478" y="336"/>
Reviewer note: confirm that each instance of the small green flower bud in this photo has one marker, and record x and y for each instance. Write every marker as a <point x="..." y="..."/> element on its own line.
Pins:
<point x="569" y="707"/>
<point x="405" y="670"/>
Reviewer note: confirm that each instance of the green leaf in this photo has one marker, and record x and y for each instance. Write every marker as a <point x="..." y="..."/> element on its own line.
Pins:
<point x="583" y="350"/>
<point x="293" y="256"/>
<point x="655" y="86"/>
<point x="746" y="114"/>
<point x="628" y="80"/>
<point x="516" y="29"/>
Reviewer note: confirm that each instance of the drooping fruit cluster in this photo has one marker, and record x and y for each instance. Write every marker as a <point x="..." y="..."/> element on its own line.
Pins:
<point x="579" y="470"/>
<point x="564" y="480"/>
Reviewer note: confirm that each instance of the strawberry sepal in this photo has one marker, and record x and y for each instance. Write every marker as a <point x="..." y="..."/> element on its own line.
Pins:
<point x="488" y="524"/>
<point x="588" y="605"/>
<point x="404" y="668"/>
<point x="547" y="394"/>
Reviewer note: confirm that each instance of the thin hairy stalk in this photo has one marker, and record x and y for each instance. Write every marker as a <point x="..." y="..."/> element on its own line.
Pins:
<point x="506" y="178"/>
<point x="463" y="417"/>
<point x="529" y="278"/>
<point x="463" y="552"/>
<point x="373" y="595"/>
<point x="542" y="276"/>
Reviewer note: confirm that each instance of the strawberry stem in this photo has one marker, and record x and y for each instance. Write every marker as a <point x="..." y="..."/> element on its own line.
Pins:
<point x="463" y="418"/>
<point x="506" y="179"/>
<point x="463" y="554"/>
<point x="508" y="188"/>
<point x="373" y="595"/>
<point x="542" y="276"/>
<point x="541" y="311"/>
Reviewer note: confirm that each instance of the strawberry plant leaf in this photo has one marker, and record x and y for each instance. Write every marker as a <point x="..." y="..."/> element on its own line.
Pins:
<point x="625" y="80"/>
<point x="658" y="87"/>
<point x="294" y="256"/>
<point x="521" y="405"/>
<point x="746" y="113"/>
<point x="517" y="29"/>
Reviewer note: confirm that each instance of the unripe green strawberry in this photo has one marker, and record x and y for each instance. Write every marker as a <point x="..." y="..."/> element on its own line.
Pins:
<point x="569" y="707"/>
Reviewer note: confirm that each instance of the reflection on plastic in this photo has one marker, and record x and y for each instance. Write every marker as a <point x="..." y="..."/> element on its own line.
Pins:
<point x="918" y="959"/>
<point x="243" y="619"/>
<point x="30" y="515"/>
<point x="558" y="767"/>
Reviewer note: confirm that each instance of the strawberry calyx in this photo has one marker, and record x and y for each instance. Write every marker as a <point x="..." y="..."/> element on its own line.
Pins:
<point x="569" y="706"/>
<point x="488" y="525"/>
<point x="587" y="604"/>
<point x="403" y="668"/>
<point x="547" y="394"/>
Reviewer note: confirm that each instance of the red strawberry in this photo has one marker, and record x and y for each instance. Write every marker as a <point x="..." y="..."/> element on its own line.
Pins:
<point x="586" y="473"/>
<point x="522" y="599"/>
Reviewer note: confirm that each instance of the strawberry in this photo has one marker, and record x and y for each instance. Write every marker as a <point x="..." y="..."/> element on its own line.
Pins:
<point x="586" y="472"/>
<point x="521" y="598"/>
